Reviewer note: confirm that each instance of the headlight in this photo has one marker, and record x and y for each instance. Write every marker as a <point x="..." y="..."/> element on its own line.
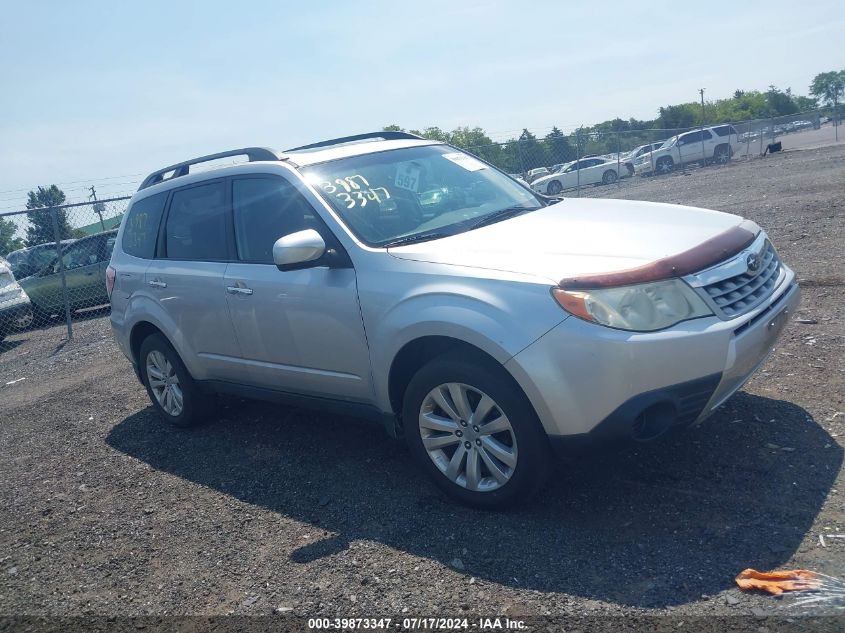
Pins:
<point x="640" y="308"/>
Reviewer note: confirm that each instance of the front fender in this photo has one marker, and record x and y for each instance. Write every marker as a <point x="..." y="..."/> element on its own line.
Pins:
<point x="500" y="318"/>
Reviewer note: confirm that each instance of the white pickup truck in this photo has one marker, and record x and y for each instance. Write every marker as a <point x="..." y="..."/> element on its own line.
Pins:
<point x="711" y="144"/>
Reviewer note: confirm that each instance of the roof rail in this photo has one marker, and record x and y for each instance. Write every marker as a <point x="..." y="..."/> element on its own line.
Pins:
<point x="386" y="136"/>
<point x="181" y="169"/>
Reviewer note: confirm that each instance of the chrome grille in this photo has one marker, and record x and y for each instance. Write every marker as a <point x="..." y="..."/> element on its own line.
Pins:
<point x="739" y="294"/>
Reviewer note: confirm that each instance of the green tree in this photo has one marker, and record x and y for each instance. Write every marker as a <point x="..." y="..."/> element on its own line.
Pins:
<point x="681" y="116"/>
<point x="40" y="227"/>
<point x="532" y="151"/>
<point x="8" y="241"/>
<point x="558" y="147"/>
<point x="780" y="101"/>
<point x="829" y="87"/>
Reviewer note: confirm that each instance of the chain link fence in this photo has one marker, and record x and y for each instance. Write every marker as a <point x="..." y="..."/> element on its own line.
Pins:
<point x="57" y="263"/>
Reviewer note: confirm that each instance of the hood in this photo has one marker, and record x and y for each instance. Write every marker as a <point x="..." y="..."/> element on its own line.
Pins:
<point x="551" y="176"/>
<point x="576" y="237"/>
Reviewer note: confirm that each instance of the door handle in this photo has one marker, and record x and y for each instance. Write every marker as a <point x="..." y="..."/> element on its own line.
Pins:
<point x="157" y="283"/>
<point x="237" y="290"/>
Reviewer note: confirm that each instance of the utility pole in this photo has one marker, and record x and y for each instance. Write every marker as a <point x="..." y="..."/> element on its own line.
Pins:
<point x="98" y="208"/>
<point x="703" y="152"/>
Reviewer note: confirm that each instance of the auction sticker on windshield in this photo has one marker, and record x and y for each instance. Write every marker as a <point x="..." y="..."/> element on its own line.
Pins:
<point x="408" y="176"/>
<point x="464" y="160"/>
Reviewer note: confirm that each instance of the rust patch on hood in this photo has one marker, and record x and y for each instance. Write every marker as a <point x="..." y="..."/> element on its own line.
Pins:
<point x="706" y="254"/>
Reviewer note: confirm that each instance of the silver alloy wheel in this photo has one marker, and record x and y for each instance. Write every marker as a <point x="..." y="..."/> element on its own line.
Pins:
<point x="468" y="437"/>
<point x="24" y="320"/>
<point x="164" y="383"/>
<point x="609" y="177"/>
<point x="664" y="166"/>
<point x="553" y="188"/>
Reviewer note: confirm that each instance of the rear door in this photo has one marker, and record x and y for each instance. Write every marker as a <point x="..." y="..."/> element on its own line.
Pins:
<point x="194" y="247"/>
<point x="689" y="147"/>
<point x="300" y="330"/>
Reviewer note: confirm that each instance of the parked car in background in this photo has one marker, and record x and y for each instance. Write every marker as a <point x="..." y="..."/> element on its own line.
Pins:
<point x="534" y="174"/>
<point x="587" y="171"/>
<point x="712" y="144"/>
<point x="634" y="154"/>
<point x="28" y="261"/>
<point x="15" y="308"/>
<point x="84" y="264"/>
<point x="519" y="179"/>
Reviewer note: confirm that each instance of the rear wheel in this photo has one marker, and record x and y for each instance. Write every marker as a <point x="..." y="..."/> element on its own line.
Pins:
<point x="664" y="165"/>
<point x="554" y="188"/>
<point x="722" y="155"/>
<point x="474" y="432"/>
<point x="172" y="390"/>
<point x="609" y="177"/>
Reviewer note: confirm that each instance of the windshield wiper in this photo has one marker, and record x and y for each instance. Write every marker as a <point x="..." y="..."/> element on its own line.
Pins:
<point x="501" y="214"/>
<point x="411" y="239"/>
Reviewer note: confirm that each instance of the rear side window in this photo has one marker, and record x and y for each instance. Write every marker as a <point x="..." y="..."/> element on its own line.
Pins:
<point x="196" y="224"/>
<point x="724" y="130"/>
<point x="142" y="221"/>
<point x="266" y="209"/>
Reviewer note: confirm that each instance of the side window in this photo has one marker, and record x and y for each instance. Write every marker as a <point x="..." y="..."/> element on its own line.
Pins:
<point x="141" y="230"/>
<point x="106" y="247"/>
<point x="81" y="254"/>
<point x="196" y="224"/>
<point x="265" y="209"/>
<point x="706" y="135"/>
<point x="692" y="137"/>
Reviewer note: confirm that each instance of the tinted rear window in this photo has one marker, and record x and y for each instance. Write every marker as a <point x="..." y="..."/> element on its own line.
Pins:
<point x="196" y="224"/>
<point x="724" y="130"/>
<point x="142" y="221"/>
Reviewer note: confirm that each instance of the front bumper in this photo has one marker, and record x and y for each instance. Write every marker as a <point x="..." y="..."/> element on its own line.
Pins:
<point x="589" y="383"/>
<point x="640" y="169"/>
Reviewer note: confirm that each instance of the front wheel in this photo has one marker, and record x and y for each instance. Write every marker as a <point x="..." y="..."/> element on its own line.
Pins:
<point x="554" y="188"/>
<point x="474" y="432"/>
<point x="609" y="177"/>
<point x="171" y="388"/>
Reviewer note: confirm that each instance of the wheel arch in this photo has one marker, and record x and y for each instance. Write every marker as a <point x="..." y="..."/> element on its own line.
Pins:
<point x="418" y="352"/>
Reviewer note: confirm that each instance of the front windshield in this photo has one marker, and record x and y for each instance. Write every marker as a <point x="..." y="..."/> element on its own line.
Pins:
<point x="670" y="142"/>
<point x="416" y="192"/>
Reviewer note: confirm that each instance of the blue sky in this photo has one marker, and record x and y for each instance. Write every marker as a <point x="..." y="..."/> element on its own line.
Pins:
<point x="103" y="92"/>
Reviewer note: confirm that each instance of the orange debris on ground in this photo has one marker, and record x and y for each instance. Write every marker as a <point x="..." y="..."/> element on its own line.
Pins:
<point x="776" y="582"/>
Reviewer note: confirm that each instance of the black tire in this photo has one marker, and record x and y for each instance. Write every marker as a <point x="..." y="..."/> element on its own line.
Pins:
<point x="664" y="165"/>
<point x="195" y="406"/>
<point x="723" y="154"/>
<point x="554" y="187"/>
<point x="534" y="457"/>
<point x="609" y="177"/>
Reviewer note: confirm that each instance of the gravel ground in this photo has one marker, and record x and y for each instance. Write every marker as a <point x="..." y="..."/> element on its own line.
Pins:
<point x="103" y="510"/>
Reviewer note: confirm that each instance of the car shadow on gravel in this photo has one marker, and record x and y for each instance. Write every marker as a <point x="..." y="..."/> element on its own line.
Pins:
<point x="654" y="526"/>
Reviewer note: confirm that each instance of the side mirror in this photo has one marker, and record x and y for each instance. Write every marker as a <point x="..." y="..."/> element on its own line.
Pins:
<point x="298" y="250"/>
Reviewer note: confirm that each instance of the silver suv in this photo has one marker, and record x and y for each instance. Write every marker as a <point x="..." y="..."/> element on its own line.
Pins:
<point x="403" y="280"/>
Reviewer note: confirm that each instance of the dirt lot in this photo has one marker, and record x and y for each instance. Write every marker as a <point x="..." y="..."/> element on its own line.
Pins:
<point x="105" y="510"/>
